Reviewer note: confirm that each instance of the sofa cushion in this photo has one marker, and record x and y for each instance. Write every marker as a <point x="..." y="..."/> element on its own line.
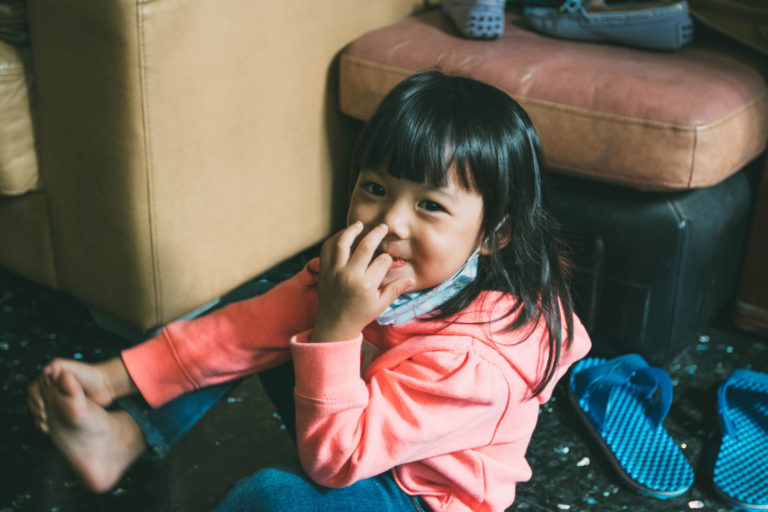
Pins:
<point x="652" y="120"/>
<point x="18" y="159"/>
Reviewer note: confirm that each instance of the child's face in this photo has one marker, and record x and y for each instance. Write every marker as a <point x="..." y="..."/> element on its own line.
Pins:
<point x="432" y="231"/>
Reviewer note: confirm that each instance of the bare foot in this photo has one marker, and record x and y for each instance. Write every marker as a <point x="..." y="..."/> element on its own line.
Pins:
<point x="99" y="445"/>
<point x="96" y="385"/>
<point x="90" y="378"/>
<point x="101" y="382"/>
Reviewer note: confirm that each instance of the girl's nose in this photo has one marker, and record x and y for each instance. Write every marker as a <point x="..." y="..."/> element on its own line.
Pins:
<point x="396" y="217"/>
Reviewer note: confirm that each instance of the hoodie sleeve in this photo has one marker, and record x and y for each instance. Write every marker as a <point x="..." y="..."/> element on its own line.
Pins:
<point x="434" y="402"/>
<point x="237" y="340"/>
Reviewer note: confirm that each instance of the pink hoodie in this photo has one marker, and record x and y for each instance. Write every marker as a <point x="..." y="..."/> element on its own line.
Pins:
<point x="446" y="406"/>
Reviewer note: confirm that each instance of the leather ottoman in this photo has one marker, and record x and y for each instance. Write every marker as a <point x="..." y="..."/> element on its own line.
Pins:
<point x="651" y="269"/>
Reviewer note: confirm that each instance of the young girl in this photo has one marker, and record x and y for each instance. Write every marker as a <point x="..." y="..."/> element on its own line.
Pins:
<point x="423" y="339"/>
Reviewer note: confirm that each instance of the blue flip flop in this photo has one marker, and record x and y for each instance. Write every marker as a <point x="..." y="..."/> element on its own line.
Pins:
<point x="741" y="468"/>
<point x="623" y="403"/>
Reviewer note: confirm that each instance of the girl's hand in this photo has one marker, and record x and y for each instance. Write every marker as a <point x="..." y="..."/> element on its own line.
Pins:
<point x="350" y="288"/>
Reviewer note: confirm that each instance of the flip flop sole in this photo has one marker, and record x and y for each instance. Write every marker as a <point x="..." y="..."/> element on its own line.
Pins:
<point x="643" y="455"/>
<point x="741" y="470"/>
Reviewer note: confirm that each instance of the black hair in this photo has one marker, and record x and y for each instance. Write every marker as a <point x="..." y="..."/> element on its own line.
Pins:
<point x="431" y="122"/>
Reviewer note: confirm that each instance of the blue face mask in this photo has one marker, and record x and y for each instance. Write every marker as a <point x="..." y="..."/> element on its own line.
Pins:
<point x="412" y="304"/>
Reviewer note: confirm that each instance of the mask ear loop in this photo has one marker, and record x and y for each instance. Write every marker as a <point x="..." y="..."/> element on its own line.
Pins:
<point x="495" y="230"/>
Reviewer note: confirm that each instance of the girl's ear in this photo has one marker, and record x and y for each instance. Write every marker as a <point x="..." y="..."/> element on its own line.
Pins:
<point x="503" y="235"/>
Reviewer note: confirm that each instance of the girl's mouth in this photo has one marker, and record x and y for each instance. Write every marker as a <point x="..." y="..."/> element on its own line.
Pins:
<point x="397" y="262"/>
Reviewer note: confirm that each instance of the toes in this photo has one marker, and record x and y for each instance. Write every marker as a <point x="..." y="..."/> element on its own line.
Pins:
<point x="33" y="389"/>
<point x="42" y="426"/>
<point x="69" y="385"/>
<point x="33" y="395"/>
<point x="54" y="368"/>
<point x="37" y="408"/>
<point x="47" y="388"/>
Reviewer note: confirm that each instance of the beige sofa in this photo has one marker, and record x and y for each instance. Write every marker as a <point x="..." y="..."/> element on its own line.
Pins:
<point x="154" y="155"/>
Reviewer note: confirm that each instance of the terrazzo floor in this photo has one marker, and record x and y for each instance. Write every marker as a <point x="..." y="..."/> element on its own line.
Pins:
<point x="244" y="433"/>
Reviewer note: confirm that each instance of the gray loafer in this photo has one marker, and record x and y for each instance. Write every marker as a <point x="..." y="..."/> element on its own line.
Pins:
<point x="658" y="25"/>
<point x="476" y="19"/>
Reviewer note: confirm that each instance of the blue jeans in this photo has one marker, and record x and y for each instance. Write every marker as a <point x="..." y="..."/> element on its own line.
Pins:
<point x="269" y="489"/>
<point x="164" y="426"/>
<point x="282" y="488"/>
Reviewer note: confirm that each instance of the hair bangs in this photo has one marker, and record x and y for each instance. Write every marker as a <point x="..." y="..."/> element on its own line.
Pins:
<point x="414" y="139"/>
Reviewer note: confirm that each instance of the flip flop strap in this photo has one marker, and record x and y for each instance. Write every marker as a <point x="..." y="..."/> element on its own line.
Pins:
<point x="614" y="371"/>
<point x="722" y="400"/>
<point x="657" y="386"/>
<point x="651" y="384"/>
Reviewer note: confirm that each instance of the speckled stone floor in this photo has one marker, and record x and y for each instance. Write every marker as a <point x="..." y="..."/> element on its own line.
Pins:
<point x="243" y="432"/>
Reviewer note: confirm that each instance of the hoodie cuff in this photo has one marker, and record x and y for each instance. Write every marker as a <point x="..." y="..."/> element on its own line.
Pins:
<point x="328" y="371"/>
<point x="155" y="370"/>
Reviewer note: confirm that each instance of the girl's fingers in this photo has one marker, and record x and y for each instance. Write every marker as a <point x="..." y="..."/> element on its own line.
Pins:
<point x="346" y="239"/>
<point x="365" y="250"/>
<point x="338" y="248"/>
<point x="396" y="288"/>
<point x="378" y="268"/>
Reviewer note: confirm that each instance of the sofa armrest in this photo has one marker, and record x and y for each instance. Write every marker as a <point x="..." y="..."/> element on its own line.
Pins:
<point x="188" y="146"/>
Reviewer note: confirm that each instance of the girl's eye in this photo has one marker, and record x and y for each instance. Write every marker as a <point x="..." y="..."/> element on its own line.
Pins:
<point x="431" y="206"/>
<point x="374" y="188"/>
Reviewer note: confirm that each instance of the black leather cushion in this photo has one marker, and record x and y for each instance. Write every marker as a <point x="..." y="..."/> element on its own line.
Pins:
<point x="651" y="269"/>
